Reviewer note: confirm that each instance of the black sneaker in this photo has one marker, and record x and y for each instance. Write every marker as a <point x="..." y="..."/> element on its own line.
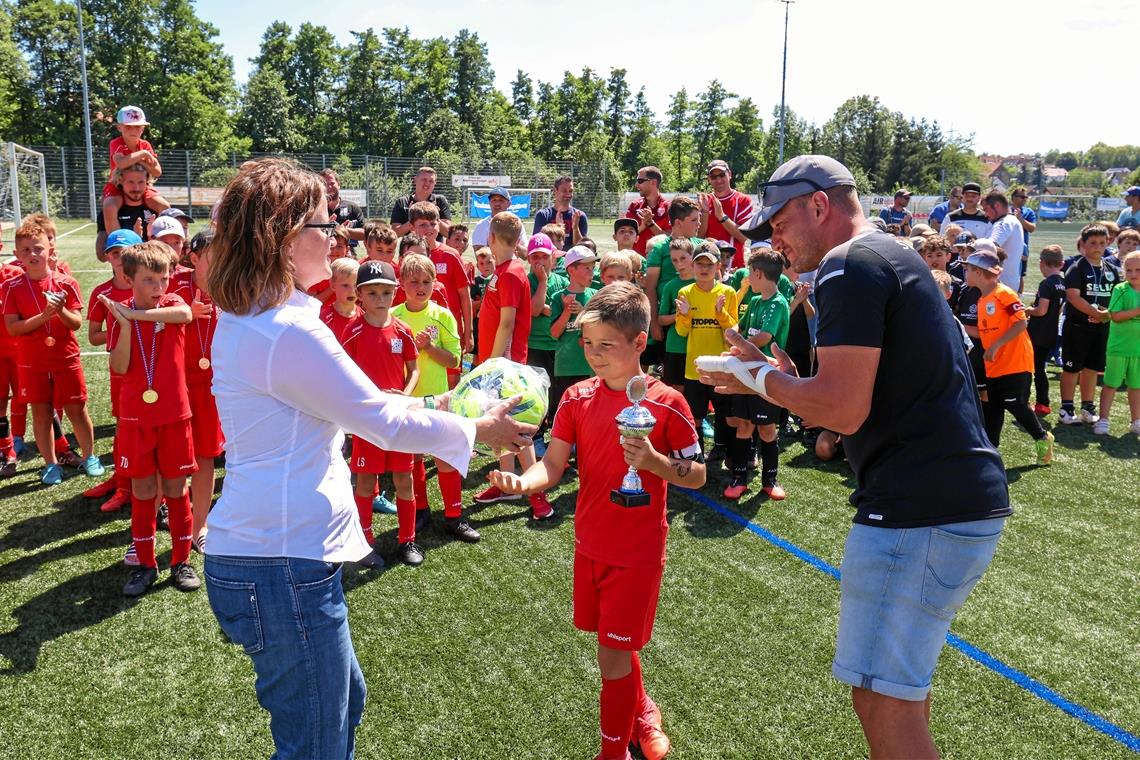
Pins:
<point x="8" y="469"/>
<point x="162" y="519"/>
<point x="373" y="561"/>
<point x="410" y="554"/>
<point x="461" y="529"/>
<point x="423" y="520"/>
<point x="184" y="578"/>
<point x="141" y="579"/>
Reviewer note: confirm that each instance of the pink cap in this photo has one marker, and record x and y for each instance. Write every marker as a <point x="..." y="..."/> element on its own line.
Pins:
<point x="539" y="243"/>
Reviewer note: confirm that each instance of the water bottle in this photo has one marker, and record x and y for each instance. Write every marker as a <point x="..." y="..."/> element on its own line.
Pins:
<point x="468" y="362"/>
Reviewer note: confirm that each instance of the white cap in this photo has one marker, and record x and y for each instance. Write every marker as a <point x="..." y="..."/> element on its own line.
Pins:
<point x="578" y="254"/>
<point x="166" y="225"/>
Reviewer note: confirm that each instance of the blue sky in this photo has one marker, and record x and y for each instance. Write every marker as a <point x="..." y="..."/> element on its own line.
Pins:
<point x="919" y="57"/>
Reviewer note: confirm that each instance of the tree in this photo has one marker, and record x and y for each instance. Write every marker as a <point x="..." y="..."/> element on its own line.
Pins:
<point x="799" y="138"/>
<point x="13" y="73"/>
<point x="314" y="70"/>
<point x="444" y="131"/>
<point x="708" y="122"/>
<point x="677" y="135"/>
<point x="617" y="111"/>
<point x="743" y="137"/>
<point x="860" y="134"/>
<point x="522" y="96"/>
<point x="51" y="102"/>
<point x="472" y="81"/>
<point x="266" y="114"/>
<point x="365" y="106"/>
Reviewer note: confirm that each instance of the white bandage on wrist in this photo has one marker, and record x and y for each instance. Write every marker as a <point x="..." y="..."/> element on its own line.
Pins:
<point x="740" y="369"/>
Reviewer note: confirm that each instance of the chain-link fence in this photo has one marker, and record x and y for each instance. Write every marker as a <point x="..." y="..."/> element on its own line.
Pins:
<point x="192" y="180"/>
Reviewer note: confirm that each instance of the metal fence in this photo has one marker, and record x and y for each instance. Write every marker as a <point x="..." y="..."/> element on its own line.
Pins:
<point x="192" y="180"/>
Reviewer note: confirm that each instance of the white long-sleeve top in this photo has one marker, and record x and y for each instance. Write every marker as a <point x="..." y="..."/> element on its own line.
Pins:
<point x="286" y="394"/>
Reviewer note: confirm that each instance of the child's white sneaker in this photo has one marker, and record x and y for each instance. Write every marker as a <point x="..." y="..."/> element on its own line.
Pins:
<point x="1134" y="428"/>
<point x="1088" y="417"/>
<point x="1100" y="427"/>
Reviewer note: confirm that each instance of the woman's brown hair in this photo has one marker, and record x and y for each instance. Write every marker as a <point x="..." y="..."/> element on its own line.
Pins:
<point x="262" y="210"/>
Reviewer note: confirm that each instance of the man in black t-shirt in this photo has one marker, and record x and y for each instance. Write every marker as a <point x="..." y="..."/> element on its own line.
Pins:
<point x="133" y="214"/>
<point x="342" y="211"/>
<point x="424" y="191"/>
<point x="892" y="378"/>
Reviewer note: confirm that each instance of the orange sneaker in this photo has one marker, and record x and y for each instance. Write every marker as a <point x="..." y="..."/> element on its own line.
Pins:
<point x="775" y="492"/>
<point x="735" y="489"/>
<point x="651" y="740"/>
<point x="540" y="507"/>
<point x="121" y="498"/>
<point x="106" y="488"/>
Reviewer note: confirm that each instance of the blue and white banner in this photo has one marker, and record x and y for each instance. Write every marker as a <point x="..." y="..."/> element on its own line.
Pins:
<point x="481" y="206"/>
<point x="1054" y="210"/>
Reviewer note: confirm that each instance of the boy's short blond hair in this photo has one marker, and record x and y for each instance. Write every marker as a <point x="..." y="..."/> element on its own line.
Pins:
<point x="340" y="232"/>
<point x="682" y="244"/>
<point x="951" y="231"/>
<point x="44" y="221"/>
<point x="556" y="233"/>
<point x="153" y="255"/>
<point x="30" y="229"/>
<point x="636" y="259"/>
<point x="1129" y="256"/>
<point x="506" y="227"/>
<point x="1129" y="234"/>
<point x="621" y="305"/>
<point x="942" y="277"/>
<point x="484" y="251"/>
<point x="1053" y="255"/>
<point x="376" y="231"/>
<point x="423" y="210"/>
<point x="618" y="260"/>
<point x="346" y="267"/>
<point x="415" y="263"/>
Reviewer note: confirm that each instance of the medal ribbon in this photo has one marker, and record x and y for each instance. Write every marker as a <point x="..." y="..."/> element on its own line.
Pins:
<point x="148" y="369"/>
<point x="36" y="298"/>
<point x="204" y="342"/>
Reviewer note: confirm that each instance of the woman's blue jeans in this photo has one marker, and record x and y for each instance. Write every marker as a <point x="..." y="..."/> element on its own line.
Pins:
<point x="291" y="618"/>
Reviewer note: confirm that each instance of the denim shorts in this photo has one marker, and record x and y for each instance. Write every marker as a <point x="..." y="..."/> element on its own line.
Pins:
<point x="899" y="590"/>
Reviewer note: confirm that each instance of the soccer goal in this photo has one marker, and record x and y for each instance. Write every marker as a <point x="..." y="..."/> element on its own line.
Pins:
<point x="23" y="183"/>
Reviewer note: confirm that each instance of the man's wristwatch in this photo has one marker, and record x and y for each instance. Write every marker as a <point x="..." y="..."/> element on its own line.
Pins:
<point x="723" y="218"/>
<point x="429" y="402"/>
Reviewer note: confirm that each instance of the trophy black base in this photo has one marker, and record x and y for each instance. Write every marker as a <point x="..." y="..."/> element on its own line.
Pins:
<point x="622" y="498"/>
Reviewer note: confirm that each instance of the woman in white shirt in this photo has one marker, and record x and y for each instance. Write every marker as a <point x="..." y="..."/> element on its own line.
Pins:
<point x="286" y="519"/>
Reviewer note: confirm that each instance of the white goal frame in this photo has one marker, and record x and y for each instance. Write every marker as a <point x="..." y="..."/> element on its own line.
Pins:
<point x="18" y="157"/>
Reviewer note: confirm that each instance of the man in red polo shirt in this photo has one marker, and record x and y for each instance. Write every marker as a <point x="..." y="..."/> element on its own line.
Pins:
<point x="651" y="210"/>
<point x="725" y="210"/>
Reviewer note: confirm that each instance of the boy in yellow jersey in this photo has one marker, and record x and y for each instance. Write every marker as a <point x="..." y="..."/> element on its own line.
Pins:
<point x="437" y="340"/>
<point x="704" y="311"/>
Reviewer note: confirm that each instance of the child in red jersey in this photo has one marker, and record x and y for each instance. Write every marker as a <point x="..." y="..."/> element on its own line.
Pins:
<point x="385" y="349"/>
<point x="380" y="242"/>
<point x="619" y="550"/>
<point x="323" y="290"/>
<point x="8" y="380"/>
<point x="504" y="328"/>
<point x="99" y="322"/>
<point x="43" y="310"/>
<point x="343" y="308"/>
<point x="147" y="345"/>
<point x="449" y="271"/>
<point x="126" y="150"/>
<point x="205" y="425"/>
<point x="415" y="243"/>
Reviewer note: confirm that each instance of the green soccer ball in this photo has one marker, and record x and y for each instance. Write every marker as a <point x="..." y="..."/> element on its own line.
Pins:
<point x="499" y="379"/>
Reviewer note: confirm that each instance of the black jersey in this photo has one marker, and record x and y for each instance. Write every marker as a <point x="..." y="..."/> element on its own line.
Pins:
<point x="1043" y="329"/>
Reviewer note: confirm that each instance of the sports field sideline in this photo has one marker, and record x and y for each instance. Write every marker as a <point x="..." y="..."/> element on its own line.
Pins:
<point x="474" y="656"/>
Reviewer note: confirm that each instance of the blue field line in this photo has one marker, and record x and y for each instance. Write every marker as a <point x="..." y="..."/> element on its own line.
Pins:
<point x="1038" y="689"/>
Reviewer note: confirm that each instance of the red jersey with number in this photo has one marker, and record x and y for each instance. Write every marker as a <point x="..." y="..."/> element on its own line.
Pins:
<point x="450" y="272"/>
<point x="382" y="352"/>
<point x="27" y="298"/>
<point x="8" y="342"/>
<point x="508" y="287"/>
<point x="738" y="207"/>
<point x="158" y="362"/>
<point x="660" y="215"/>
<point x="604" y="531"/>
<point x="200" y="332"/>
<point x="336" y="321"/>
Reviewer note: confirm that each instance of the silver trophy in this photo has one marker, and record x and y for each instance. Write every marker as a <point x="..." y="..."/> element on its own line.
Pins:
<point x="633" y="422"/>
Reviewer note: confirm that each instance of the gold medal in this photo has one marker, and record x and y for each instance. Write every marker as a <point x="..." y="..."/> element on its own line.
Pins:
<point x="49" y="341"/>
<point x="150" y="396"/>
<point x="204" y="363"/>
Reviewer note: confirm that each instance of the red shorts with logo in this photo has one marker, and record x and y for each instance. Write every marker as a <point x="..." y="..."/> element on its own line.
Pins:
<point x="58" y="388"/>
<point x="113" y="191"/>
<point x="375" y="460"/>
<point x="204" y="422"/>
<point x="619" y="603"/>
<point x="144" y="450"/>
<point x="9" y="379"/>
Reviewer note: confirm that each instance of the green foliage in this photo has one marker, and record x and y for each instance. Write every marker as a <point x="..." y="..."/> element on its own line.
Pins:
<point x="13" y="72"/>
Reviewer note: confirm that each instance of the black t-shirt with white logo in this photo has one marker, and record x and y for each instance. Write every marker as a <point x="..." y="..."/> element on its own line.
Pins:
<point x="127" y="217"/>
<point x="400" y="208"/>
<point x="1095" y="284"/>
<point x="922" y="456"/>
<point x="348" y="214"/>
<point x="1043" y="329"/>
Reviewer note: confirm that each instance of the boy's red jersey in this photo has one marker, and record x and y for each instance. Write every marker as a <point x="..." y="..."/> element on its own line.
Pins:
<point x="118" y="147"/>
<point x="438" y="295"/>
<point x="8" y="342"/>
<point x="97" y="312"/>
<point x="604" y="531"/>
<point x="450" y="272"/>
<point x="336" y="321"/>
<point x="508" y="287"/>
<point x="200" y="332"/>
<point x="381" y="351"/>
<point x="160" y="348"/>
<point x="52" y="347"/>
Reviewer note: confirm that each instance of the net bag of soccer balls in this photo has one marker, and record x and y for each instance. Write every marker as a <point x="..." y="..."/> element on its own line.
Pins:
<point x="496" y="380"/>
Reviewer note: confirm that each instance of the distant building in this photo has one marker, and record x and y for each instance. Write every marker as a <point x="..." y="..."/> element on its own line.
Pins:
<point x="1117" y="176"/>
<point x="1055" y="175"/>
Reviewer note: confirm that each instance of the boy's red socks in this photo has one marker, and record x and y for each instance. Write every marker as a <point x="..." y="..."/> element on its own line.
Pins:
<point x="143" y="515"/>
<point x="451" y="487"/>
<point x="618" y="708"/>
<point x="181" y="527"/>
<point x="406" y="517"/>
<point x="419" y="483"/>
<point x="364" y="511"/>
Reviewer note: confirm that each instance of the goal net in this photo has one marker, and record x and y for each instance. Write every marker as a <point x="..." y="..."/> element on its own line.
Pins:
<point x="23" y="183"/>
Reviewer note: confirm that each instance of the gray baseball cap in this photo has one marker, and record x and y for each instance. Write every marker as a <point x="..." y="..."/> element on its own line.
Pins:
<point x="799" y="176"/>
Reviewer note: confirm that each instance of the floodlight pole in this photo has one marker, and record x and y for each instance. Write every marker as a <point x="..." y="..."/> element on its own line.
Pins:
<point x="784" y="77"/>
<point x="86" y="112"/>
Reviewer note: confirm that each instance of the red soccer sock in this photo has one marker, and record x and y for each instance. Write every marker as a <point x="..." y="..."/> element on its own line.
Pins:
<point x="451" y="486"/>
<point x="181" y="527"/>
<point x="364" y="510"/>
<point x="419" y="483"/>
<point x="376" y="488"/>
<point x="19" y="419"/>
<point x="644" y="703"/>
<point x="406" y="518"/>
<point x="62" y="445"/>
<point x="143" y="514"/>
<point x="618" y="703"/>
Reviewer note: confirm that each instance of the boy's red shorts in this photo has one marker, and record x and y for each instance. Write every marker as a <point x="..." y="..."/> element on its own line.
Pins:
<point x="619" y="603"/>
<point x="113" y="191"/>
<point x="204" y="422"/>
<point x="144" y="450"/>
<point x="9" y="379"/>
<point x="58" y="388"/>
<point x="372" y="459"/>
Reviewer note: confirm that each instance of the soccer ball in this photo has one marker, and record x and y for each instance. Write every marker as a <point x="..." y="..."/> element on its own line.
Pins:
<point x="498" y="379"/>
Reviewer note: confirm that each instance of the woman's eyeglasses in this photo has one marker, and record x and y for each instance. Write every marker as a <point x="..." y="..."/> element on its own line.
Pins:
<point x="328" y="227"/>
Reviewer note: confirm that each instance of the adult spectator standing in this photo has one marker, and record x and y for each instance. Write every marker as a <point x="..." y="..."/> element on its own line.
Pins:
<point x="424" y="190"/>
<point x="343" y="211"/>
<point x="651" y="210"/>
<point x="725" y="210"/>
<point x="500" y="200"/>
<point x="939" y="212"/>
<point x="573" y="220"/>
<point x="897" y="213"/>
<point x="286" y="517"/>
<point x="1130" y="217"/>
<point x="1007" y="232"/>
<point x="133" y="214"/>
<point x="970" y="217"/>
<point x="931" y="496"/>
<point x="1028" y="219"/>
